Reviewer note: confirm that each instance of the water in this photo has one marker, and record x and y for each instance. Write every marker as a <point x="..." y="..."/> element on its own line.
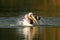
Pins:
<point x="9" y="30"/>
<point x="6" y="22"/>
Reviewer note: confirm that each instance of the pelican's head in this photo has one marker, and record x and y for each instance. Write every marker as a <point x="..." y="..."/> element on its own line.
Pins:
<point x="31" y="16"/>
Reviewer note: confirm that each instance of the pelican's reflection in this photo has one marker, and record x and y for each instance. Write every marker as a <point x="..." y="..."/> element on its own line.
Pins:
<point x="30" y="33"/>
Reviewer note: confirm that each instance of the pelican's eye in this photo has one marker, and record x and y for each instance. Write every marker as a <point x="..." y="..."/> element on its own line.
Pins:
<point x="30" y="15"/>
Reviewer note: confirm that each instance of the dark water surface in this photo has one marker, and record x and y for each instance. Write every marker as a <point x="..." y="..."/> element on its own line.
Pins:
<point x="17" y="34"/>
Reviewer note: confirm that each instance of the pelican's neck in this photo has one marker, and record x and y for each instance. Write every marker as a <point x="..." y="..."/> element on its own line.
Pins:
<point x="26" y="18"/>
<point x="26" y="23"/>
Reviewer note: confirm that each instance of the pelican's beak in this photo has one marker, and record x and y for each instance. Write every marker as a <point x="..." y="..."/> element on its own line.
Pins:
<point x="34" y="19"/>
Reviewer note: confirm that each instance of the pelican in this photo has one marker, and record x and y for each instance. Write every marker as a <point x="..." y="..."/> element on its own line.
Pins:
<point x="31" y="20"/>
